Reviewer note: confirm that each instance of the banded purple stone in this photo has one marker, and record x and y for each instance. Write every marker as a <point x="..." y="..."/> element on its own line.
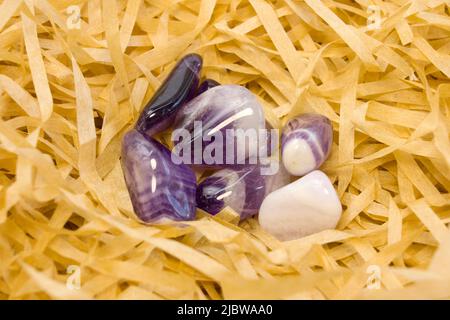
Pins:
<point x="158" y="188"/>
<point x="179" y="87"/>
<point x="243" y="190"/>
<point x="210" y="83"/>
<point x="203" y="127"/>
<point x="206" y="85"/>
<point x="306" y="143"/>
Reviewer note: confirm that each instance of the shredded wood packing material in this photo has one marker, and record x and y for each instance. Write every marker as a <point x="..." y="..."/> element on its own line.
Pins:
<point x="71" y="86"/>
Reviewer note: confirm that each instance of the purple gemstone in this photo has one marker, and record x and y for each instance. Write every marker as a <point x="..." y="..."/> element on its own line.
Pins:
<point x="306" y="143"/>
<point x="206" y="85"/>
<point x="222" y="127"/>
<point x="243" y="190"/>
<point x="178" y="88"/>
<point x="158" y="187"/>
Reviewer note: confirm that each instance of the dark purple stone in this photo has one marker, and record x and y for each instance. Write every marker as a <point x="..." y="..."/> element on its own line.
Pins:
<point x="158" y="187"/>
<point x="178" y="88"/>
<point x="243" y="190"/>
<point x="208" y="192"/>
<point x="306" y="143"/>
<point x="206" y="85"/>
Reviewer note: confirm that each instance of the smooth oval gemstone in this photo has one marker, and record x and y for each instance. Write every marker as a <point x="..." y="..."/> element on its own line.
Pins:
<point x="306" y="143"/>
<point x="179" y="87"/>
<point x="303" y="207"/>
<point x="158" y="187"/>
<point x="242" y="190"/>
<point x="206" y="85"/>
<point x="210" y="83"/>
<point x="210" y="130"/>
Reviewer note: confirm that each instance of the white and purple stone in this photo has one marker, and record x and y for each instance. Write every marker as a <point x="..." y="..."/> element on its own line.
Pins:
<point x="158" y="188"/>
<point x="210" y="83"/>
<point x="179" y="87"/>
<point x="209" y="117"/>
<point x="306" y="143"/>
<point x="243" y="190"/>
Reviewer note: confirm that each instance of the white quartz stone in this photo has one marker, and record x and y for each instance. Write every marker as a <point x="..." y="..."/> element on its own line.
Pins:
<point x="303" y="207"/>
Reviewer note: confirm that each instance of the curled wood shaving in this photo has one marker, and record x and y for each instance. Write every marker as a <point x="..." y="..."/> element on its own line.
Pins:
<point x="70" y="88"/>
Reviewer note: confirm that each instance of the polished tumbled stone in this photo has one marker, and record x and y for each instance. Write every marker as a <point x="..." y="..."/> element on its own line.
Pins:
<point x="242" y="190"/>
<point x="179" y="87"/>
<point x="306" y="143"/>
<point x="158" y="188"/>
<point x="303" y="207"/>
<point x="207" y="118"/>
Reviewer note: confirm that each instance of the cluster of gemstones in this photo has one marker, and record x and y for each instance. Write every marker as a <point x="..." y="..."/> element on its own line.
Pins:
<point x="163" y="186"/>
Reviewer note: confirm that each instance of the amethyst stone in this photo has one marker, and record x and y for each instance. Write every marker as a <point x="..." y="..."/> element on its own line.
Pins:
<point x="206" y="85"/>
<point x="178" y="88"/>
<point x="306" y="143"/>
<point x="222" y="127"/>
<point x="243" y="190"/>
<point x="158" y="188"/>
